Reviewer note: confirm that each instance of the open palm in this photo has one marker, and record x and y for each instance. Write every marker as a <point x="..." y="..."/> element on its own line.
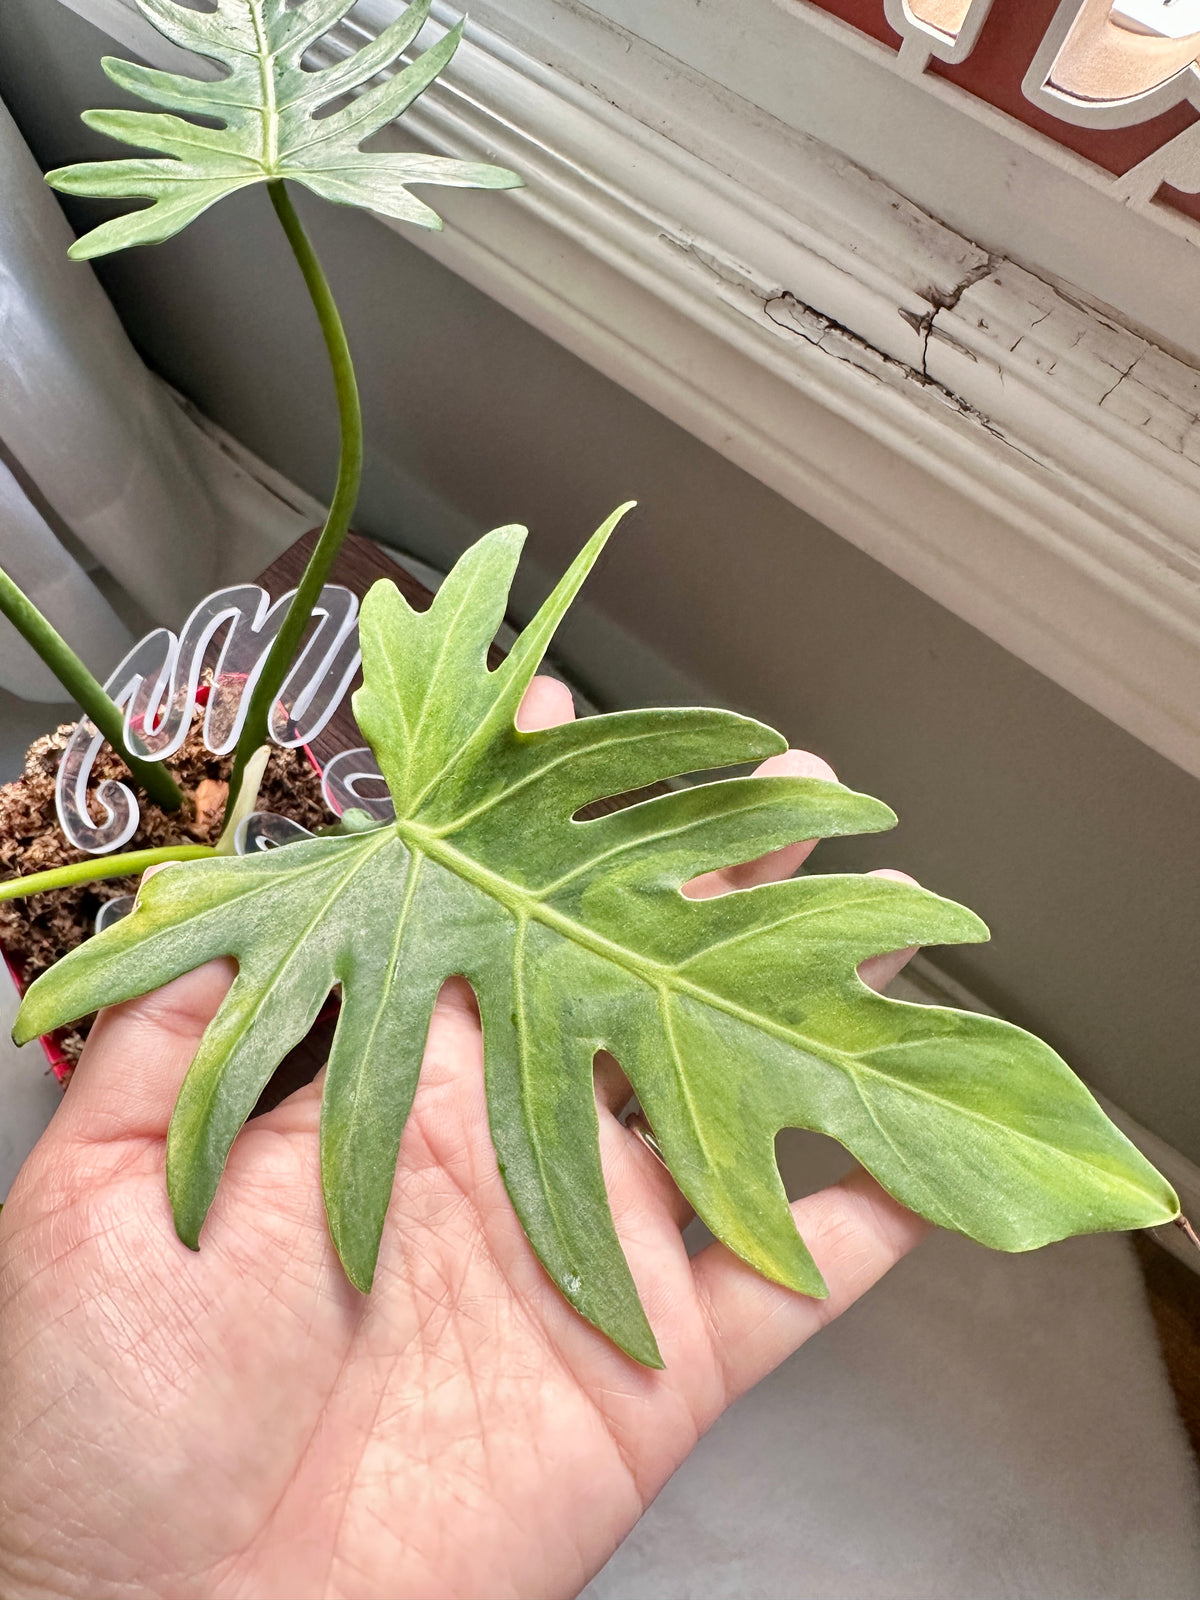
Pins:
<point x="243" y="1422"/>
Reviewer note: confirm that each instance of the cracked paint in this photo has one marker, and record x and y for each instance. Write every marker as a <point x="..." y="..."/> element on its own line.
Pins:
<point x="1012" y="350"/>
<point x="789" y="312"/>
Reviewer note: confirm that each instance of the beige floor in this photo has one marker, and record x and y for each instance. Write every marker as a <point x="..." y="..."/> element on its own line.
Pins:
<point x="981" y="1427"/>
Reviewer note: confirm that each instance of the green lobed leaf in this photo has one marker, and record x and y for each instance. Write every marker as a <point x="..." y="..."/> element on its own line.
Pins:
<point x="733" y="1017"/>
<point x="266" y="107"/>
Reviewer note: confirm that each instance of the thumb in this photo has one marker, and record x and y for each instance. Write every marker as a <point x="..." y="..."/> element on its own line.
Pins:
<point x="136" y="1056"/>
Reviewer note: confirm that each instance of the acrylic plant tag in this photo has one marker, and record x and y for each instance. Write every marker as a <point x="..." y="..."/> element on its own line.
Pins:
<point x="161" y="683"/>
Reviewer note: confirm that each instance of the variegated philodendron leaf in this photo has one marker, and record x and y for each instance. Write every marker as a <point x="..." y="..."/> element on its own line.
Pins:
<point x="733" y="1017"/>
<point x="265" y="106"/>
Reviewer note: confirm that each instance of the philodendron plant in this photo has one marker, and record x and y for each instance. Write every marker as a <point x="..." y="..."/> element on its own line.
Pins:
<point x="733" y="1017"/>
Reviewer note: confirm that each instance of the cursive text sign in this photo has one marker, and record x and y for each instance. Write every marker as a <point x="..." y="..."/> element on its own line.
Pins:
<point x="158" y="684"/>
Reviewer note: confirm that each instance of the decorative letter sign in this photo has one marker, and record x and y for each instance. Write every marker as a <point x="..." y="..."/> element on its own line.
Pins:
<point x="946" y="29"/>
<point x="158" y="684"/>
<point x="1117" y="81"/>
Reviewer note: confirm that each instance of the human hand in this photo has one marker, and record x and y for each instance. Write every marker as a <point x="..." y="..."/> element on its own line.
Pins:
<point x="243" y="1423"/>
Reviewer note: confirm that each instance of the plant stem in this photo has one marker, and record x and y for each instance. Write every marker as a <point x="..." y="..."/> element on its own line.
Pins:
<point x="345" y="495"/>
<point x="86" y="690"/>
<point x="100" y="867"/>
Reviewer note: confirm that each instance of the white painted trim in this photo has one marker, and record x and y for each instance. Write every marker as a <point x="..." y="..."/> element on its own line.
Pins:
<point x="1019" y="456"/>
<point x="992" y="178"/>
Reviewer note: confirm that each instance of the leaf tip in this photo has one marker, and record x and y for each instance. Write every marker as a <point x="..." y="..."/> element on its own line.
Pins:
<point x="188" y="1208"/>
<point x="801" y="1277"/>
<point x="383" y="595"/>
<point x="512" y="533"/>
<point x="600" y="538"/>
<point x="30" y="1023"/>
<point x="627" y="1326"/>
<point x="773" y="743"/>
<point x="362" y="1280"/>
<point x="358" y="1256"/>
<point x="1159" y="1202"/>
<point x="648" y="1355"/>
<point x="963" y="927"/>
<point x="186" y="1233"/>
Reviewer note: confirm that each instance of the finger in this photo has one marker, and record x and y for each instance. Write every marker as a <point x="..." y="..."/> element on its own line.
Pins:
<point x="137" y="1053"/>
<point x="613" y="1089"/>
<point x="653" y="1172"/>
<point x="878" y="971"/>
<point x="642" y="1193"/>
<point x="639" y="1158"/>
<point x="136" y="1056"/>
<point x="776" y="865"/>
<point x="547" y="702"/>
<point x="856" y="1232"/>
<point x="300" y="1111"/>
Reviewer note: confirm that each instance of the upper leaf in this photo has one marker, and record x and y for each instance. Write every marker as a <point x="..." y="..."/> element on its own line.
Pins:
<point x="265" y="108"/>
<point x="733" y="1017"/>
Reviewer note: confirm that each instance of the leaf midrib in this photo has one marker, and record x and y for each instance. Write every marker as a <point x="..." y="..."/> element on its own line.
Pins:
<point x="524" y="904"/>
<point x="664" y="978"/>
<point x="261" y="993"/>
<point x="266" y="78"/>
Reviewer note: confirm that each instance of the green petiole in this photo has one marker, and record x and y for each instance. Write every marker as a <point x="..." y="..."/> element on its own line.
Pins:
<point x="345" y="497"/>
<point x="98" y="867"/>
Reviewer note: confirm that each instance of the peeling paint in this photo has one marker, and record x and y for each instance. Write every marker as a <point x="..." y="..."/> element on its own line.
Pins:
<point x="1013" y="328"/>
<point x="1120" y="378"/>
<point x="940" y="301"/>
<point x="793" y="315"/>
